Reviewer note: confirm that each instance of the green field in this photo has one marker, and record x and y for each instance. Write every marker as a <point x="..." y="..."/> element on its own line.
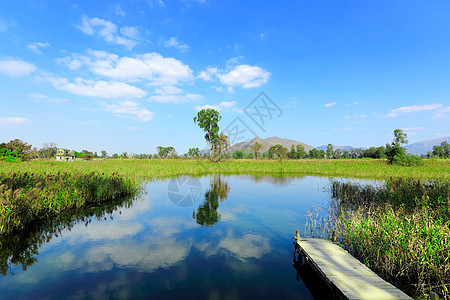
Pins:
<point x="147" y="169"/>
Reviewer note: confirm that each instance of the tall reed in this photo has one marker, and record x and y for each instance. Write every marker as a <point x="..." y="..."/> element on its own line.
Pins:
<point x="26" y="197"/>
<point x="400" y="229"/>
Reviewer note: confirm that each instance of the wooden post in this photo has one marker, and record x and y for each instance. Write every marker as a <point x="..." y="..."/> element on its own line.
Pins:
<point x="298" y="235"/>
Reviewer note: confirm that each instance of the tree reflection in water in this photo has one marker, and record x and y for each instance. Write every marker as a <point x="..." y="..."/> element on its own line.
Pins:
<point x="207" y="214"/>
<point x="23" y="247"/>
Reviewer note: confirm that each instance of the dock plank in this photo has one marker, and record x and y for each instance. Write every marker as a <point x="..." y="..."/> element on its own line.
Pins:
<point x="345" y="272"/>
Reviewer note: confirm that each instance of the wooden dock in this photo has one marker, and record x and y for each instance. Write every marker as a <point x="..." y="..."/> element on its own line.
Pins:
<point x="343" y="272"/>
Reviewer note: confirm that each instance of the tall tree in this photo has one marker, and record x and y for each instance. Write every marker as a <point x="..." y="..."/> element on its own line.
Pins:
<point x="301" y="153"/>
<point x="395" y="149"/>
<point x="207" y="120"/>
<point x="256" y="147"/>
<point x="222" y="145"/>
<point x="330" y="151"/>
<point x="278" y="151"/>
<point x="104" y="154"/>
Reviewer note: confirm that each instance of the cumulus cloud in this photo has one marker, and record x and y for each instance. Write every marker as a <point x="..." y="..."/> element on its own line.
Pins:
<point x="16" y="67"/>
<point x="414" y="108"/>
<point x="102" y="89"/>
<point x="246" y="76"/>
<point x="152" y="67"/>
<point x="330" y="104"/>
<point x="129" y="109"/>
<point x="37" y="46"/>
<point x="219" y="107"/>
<point x="109" y="31"/>
<point x="13" y="120"/>
<point x="174" y="43"/>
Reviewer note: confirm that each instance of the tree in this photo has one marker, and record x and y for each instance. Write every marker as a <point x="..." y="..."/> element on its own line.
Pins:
<point x="278" y="151"/>
<point x="301" y="153"/>
<point x="256" y="147"/>
<point x="18" y="148"/>
<point x="115" y="155"/>
<point x="400" y="137"/>
<point x="166" y="152"/>
<point x="293" y="153"/>
<point x="330" y="151"/>
<point x="238" y="154"/>
<point x="207" y="119"/>
<point x="193" y="152"/>
<point x="104" y="154"/>
<point x="48" y="150"/>
<point x="395" y="151"/>
<point x="337" y="154"/>
<point x="221" y="146"/>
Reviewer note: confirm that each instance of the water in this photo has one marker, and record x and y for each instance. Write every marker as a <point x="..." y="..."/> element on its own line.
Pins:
<point x="214" y="237"/>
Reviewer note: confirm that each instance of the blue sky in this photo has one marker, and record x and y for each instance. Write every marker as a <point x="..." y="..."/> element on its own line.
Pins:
<point x="128" y="76"/>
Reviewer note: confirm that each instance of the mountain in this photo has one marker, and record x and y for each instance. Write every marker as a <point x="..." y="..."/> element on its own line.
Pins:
<point x="267" y="143"/>
<point x="348" y="148"/>
<point x="423" y="147"/>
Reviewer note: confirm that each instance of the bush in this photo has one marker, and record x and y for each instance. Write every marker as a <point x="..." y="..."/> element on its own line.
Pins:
<point x="407" y="160"/>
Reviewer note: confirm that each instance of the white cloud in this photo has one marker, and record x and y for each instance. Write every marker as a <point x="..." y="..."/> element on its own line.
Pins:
<point x="414" y="108"/>
<point x="108" y="31"/>
<point x="174" y="43"/>
<point x="130" y="109"/>
<point x="16" y="67"/>
<point x="130" y="32"/>
<point x="13" y="120"/>
<point x="37" y="46"/>
<point x="219" y="107"/>
<point x="172" y="94"/>
<point x="176" y="98"/>
<point x="246" y="76"/>
<point x="42" y="97"/>
<point x="153" y="67"/>
<point x="208" y="74"/>
<point x="3" y="25"/>
<point x="102" y="89"/>
<point x="119" y="11"/>
<point x="413" y="128"/>
<point x="330" y="104"/>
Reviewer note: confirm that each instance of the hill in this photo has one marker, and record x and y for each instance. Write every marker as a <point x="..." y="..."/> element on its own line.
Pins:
<point x="269" y="142"/>
<point x="423" y="147"/>
<point x="348" y="148"/>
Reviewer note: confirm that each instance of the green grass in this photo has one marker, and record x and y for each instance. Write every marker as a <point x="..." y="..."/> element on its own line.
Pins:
<point x="29" y="197"/>
<point x="146" y="169"/>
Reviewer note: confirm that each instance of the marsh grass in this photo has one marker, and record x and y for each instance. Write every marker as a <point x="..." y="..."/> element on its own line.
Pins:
<point x="151" y="168"/>
<point x="28" y="197"/>
<point x="400" y="229"/>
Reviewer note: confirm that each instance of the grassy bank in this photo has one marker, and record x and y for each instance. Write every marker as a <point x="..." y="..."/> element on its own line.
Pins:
<point x="29" y="197"/>
<point x="400" y="230"/>
<point x="145" y="169"/>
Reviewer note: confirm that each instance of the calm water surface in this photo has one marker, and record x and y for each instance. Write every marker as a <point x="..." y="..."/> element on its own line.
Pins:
<point x="227" y="237"/>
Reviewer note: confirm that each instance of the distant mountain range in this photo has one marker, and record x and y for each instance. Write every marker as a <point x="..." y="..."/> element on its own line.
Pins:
<point x="417" y="148"/>
<point x="342" y="148"/>
<point x="267" y="143"/>
<point x="423" y="147"/>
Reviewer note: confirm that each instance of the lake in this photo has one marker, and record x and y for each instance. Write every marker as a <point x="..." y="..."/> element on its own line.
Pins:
<point x="211" y="237"/>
